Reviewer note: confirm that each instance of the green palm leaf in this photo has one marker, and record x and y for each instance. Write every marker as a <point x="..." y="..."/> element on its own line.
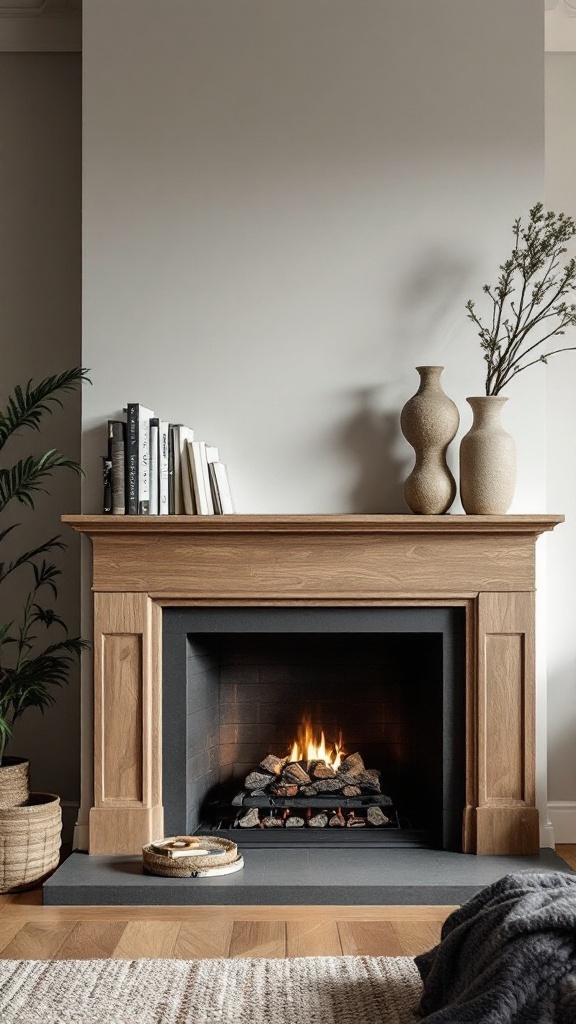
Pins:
<point x="29" y="475"/>
<point x="30" y="672"/>
<point x="27" y="556"/>
<point x="26" y="406"/>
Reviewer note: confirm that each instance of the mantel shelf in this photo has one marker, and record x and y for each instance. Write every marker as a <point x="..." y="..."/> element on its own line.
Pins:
<point x="303" y="524"/>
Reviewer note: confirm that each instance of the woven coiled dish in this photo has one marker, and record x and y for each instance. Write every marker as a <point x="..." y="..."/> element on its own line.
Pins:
<point x="222" y="851"/>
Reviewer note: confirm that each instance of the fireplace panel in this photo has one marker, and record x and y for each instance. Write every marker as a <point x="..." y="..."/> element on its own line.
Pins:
<point x="390" y="680"/>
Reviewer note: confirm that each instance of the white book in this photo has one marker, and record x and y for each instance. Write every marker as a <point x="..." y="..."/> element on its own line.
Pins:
<point x="207" y="489"/>
<point x="214" y="488"/>
<point x="211" y="457"/>
<point x="180" y="434"/>
<point x="153" y="466"/>
<point x="188" y="497"/>
<point x="197" y="462"/>
<point x="163" y="503"/>
<point x="220" y="474"/>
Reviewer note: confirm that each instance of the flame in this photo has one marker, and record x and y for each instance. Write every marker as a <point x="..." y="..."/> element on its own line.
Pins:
<point x="308" y="747"/>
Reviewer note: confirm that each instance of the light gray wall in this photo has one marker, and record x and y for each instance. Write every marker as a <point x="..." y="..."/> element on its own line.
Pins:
<point x="286" y="207"/>
<point x="40" y="273"/>
<point x="561" y="376"/>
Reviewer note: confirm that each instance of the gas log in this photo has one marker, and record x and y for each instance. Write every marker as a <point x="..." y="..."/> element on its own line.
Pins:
<point x="281" y="777"/>
<point x="277" y="781"/>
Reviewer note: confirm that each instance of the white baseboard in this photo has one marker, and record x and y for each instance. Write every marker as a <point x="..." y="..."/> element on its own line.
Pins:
<point x="562" y="815"/>
<point x="81" y="836"/>
<point x="547" y="836"/>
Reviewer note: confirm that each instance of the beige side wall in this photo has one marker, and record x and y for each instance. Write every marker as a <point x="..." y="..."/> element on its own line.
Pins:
<point x="40" y="274"/>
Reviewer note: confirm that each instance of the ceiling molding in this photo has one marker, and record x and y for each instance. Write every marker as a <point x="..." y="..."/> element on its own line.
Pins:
<point x="40" y="26"/>
<point x="560" y="27"/>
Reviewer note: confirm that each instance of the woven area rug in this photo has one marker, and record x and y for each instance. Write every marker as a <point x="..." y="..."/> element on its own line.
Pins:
<point x="304" y="990"/>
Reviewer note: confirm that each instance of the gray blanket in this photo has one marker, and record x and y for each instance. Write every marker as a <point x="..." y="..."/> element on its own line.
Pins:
<point x="508" y="956"/>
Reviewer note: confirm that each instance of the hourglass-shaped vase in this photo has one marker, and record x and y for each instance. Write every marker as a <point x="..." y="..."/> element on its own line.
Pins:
<point x="429" y="422"/>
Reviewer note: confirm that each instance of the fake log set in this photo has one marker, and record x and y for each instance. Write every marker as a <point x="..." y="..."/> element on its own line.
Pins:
<point x="283" y="793"/>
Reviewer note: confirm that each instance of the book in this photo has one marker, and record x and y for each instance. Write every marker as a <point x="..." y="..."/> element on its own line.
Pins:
<point x="188" y="496"/>
<point x="163" y="473"/>
<point x="180" y="434"/>
<point x="211" y="457"/>
<point x="154" y="465"/>
<point x="137" y="457"/>
<point x="117" y="455"/>
<point x="171" y="469"/>
<point x="107" y="485"/>
<point x="221" y="485"/>
<point x="131" y="470"/>
<point x="197" y="458"/>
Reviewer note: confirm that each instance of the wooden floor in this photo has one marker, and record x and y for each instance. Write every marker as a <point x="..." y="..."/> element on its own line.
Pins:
<point x="30" y="931"/>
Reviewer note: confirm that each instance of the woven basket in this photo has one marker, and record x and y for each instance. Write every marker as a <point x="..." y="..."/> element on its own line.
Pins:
<point x="184" y="867"/>
<point x="29" y="841"/>
<point x="14" y="784"/>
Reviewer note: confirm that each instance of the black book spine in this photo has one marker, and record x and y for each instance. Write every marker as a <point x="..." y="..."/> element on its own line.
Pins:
<point x="107" y="485"/>
<point x="117" y="454"/>
<point x="132" y="459"/>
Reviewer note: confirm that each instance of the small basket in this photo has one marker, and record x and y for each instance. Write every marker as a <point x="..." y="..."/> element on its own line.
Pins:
<point x="225" y="852"/>
<point x="29" y="841"/>
<point x="14" y="783"/>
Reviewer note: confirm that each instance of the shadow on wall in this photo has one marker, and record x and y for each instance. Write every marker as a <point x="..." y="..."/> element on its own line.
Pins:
<point x="426" y="305"/>
<point x="371" y="436"/>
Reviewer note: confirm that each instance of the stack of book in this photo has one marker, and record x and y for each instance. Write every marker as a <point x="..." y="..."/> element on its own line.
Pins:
<point x="153" y="467"/>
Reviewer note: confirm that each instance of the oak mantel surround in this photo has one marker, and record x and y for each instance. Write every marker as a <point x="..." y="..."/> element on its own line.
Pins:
<point x="485" y="564"/>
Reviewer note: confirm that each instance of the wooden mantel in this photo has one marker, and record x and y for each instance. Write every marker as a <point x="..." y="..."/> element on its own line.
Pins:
<point x="485" y="564"/>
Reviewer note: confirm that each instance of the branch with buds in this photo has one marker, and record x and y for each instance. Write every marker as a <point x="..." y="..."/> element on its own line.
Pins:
<point x="529" y="300"/>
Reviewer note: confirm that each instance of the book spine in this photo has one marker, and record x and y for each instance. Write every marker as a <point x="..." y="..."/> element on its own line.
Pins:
<point x="117" y="455"/>
<point x="163" y="477"/>
<point x="107" y="485"/>
<point x="171" y="491"/>
<point x="214" y="488"/>
<point x="206" y="479"/>
<point x="200" y="496"/>
<point x="144" y="463"/>
<point x="224" y="491"/>
<point x="154" y="467"/>
<point x="132" y="459"/>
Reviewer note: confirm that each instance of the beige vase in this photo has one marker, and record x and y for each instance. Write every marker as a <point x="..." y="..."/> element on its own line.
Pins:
<point x="429" y="422"/>
<point x="487" y="460"/>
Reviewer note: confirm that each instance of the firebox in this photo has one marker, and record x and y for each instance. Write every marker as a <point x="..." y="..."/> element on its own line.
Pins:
<point x="297" y="726"/>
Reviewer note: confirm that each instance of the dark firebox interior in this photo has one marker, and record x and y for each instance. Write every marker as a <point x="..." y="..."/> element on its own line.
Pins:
<point x="389" y="681"/>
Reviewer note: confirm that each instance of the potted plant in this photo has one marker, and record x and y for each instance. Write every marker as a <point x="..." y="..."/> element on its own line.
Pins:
<point x="529" y="309"/>
<point x="36" y="651"/>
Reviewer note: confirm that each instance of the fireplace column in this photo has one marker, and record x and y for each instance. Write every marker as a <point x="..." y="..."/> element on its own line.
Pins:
<point x="127" y="811"/>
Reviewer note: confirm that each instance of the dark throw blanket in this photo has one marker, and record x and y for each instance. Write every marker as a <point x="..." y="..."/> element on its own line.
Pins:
<point x="508" y="956"/>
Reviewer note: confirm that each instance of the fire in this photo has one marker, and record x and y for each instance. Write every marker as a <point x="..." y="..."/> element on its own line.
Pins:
<point x="308" y="747"/>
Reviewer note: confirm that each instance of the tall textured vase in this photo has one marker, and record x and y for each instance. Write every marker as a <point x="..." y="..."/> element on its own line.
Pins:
<point x="429" y="421"/>
<point x="487" y="460"/>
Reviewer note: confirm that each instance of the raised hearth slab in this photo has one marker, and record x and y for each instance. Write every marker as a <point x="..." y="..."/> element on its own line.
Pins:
<point x="294" y="877"/>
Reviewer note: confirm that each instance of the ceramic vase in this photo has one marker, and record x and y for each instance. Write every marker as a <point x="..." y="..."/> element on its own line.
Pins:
<point x="487" y="460"/>
<point x="429" y="422"/>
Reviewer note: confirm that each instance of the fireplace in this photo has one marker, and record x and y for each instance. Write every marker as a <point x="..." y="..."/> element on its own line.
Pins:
<point x="387" y="683"/>
<point x="482" y="566"/>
